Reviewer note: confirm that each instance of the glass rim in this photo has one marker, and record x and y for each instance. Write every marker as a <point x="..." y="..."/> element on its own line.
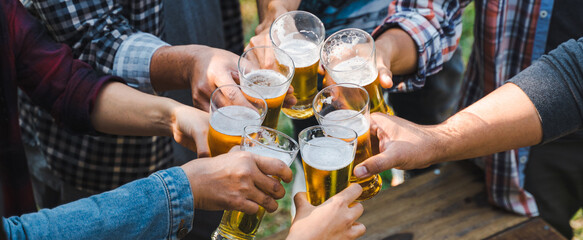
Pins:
<point x="349" y="85"/>
<point x="321" y="39"/>
<point x="246" y="135"/>
<point x="353" y="140"/>
<point x="261" y="115"/>
<point x="289" y="78"/>
<point x="370" y="55"/>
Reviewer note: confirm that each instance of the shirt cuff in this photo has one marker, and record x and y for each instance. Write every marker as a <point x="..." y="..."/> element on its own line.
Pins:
<point x="132" y="60"/>
<point x="424" y="35"/>
<point x="180" y="201"/>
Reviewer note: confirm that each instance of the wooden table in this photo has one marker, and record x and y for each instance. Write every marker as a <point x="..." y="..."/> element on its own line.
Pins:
<point x="448" y="203"/>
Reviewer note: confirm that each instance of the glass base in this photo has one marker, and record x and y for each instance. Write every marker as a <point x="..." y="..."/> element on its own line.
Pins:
<point x="220" y="235"/>
<point x="370" y="187"/>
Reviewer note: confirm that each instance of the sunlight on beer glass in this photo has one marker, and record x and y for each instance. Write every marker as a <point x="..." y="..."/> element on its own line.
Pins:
<point x="346" y="104"/>
<point x="349" y="57"/>
<point x="327" y="156"/>
<point x="269" y="71"/>
<point x="232" y="108"/>
<point x="266" y="142"/>
<point x="300" y="34"/>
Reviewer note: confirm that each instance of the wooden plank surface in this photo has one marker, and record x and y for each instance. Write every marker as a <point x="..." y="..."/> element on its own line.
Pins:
<point x="533" y="229"/>
<point x="450" y="203"/>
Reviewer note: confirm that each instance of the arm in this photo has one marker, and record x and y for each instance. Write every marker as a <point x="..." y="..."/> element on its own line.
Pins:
<point x="269" y="10"/>
<point x="162" y="205"/>
<point x="434" y="29"/>
<point x="542" y="103"/>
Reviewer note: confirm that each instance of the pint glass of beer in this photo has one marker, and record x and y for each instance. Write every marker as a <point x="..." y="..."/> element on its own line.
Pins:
<point x="327" y="156"/>
<point x="349" y="57"/>
<point x="300" y="34"/>
<point x="346" y="104"/>
<point x="232" y="108"/>
<point x="262" y="141"/>
<point x="269" y="71"/>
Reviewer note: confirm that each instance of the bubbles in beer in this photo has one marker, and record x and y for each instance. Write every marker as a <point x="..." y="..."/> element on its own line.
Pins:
<point x="327" y="153"/>
<point x="230" y="120"/>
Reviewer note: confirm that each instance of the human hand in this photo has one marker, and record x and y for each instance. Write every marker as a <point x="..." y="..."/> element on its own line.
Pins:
<point x="190" y="128"/>
<point x="402" y="145"/>
<point x="237" y="180"/>
<point x="334" y="219"/>
<point x="212" y="68"/>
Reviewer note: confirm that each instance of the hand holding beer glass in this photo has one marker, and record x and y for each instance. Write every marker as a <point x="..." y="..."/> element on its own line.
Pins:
<point x="349" y="56"/>
<point x="232" y="108"/>
<point x="327" y="154"/>
<point x="300" y="34"/>
<point x="269" y="71"/>
<point x="266" y="142"/>
<point x="346" y="105"/>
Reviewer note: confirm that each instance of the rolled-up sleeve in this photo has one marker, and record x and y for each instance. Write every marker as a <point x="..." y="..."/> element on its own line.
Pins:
<point x="554" y="84"/>
<point x="434" y="26"/>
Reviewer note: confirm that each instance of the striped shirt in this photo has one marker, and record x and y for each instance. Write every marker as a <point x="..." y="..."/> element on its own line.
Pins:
<point x="508" y="37"/>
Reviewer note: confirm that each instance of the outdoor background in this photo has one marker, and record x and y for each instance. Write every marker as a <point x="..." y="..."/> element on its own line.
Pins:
<point x="280" y="219"/>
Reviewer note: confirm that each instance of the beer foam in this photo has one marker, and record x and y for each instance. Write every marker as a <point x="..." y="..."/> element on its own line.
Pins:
<point x="268" y="152"/>
<point x="347" y="118"/>
<point x="327" y="153"/>
<point x="263" y="80"/>
<point x="304" y="53"/>
<point x="231" y="120"/>
<point x="355" y="70"/>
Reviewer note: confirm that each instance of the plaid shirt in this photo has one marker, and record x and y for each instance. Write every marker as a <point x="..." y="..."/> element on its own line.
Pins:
<point x="115" y="37"/>
<point x="509" y="36"/>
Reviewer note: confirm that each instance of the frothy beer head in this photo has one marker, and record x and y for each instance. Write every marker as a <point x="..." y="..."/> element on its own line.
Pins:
<point x="327" y="153"/>
<point x="347" y="118"/>
<point x="269" y="83"/>
<point x="355" y="70"/>
<point x="304" y="53"/>
<point x="230" y="120"/>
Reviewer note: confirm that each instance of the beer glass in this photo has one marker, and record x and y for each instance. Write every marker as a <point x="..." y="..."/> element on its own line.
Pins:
<point x="262" y="141"/>
<point x="232" y="107"/>
<point x="327" y="156"/>
<point x="300" y="34"/>
<point x="349" y="57"/>
<point x="346" y="104"/>
<point x="269" y="71"/>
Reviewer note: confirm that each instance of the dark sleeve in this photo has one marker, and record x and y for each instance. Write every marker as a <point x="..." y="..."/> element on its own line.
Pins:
<point x="555" y="85"/>
<point x="47" y="72"/>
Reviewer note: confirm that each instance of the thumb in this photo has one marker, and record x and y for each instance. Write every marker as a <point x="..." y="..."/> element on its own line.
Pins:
<point x="301" y="201"/>
<point x="202" y="146"/>
<point x="386" y="77"/>
<point x="374" y="165"/>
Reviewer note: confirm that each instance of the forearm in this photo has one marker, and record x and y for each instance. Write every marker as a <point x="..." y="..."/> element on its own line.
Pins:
<point x="269" y="10"/>
<point x="156" y="207"/>
<point x="122" y="110"/>
<point x="398" y="48"/>
<point x="171" y="66"/>
<point x="504" y="119"/>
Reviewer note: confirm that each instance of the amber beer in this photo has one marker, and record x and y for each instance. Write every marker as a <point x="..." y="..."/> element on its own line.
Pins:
<point x="300" y="34"/>
<point x="243" y="225"/>
<point x="305" y="81"/>
<point x="360" y="72"/>
<point x="265" y="142"/>
<point x="227" y="126"/>
<point x="359" y="123"/>
<point x="327" y="169"/>
<point x="272" y="87"/>
<point x="327" y="156"/>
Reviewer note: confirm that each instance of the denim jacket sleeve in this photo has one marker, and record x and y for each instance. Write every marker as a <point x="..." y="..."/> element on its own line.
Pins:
<point x="157" y="207"/>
